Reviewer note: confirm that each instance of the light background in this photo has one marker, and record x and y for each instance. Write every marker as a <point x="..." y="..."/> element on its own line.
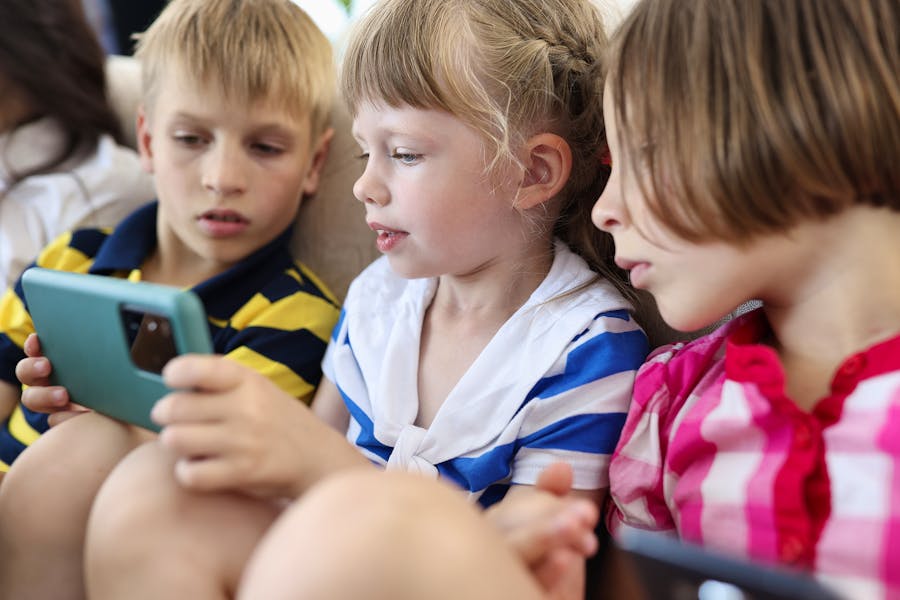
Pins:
<point x="334" y="19"/>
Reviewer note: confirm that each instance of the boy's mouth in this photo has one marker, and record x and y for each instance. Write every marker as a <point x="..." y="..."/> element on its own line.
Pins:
<point x="225" y="216"/>
<point x="222" y="223"/>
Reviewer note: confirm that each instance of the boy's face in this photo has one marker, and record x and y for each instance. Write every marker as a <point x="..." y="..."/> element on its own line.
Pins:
<point x="229" y="177"/>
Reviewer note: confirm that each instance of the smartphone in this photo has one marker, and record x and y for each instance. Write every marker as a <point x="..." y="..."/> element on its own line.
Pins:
<point x="108" y="339"/>
<point x="667" y="568"/>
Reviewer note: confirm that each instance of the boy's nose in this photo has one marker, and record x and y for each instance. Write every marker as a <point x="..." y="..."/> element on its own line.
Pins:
<point x="223" y="170"/>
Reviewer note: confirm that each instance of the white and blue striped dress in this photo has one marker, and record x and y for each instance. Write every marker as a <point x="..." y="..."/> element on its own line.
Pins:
<point x="553" y="384"/>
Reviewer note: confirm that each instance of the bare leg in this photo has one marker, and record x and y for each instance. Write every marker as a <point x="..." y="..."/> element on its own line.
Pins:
<point x="385" y="536"/>
<point x="44" y="504"/>
<point x="149" y="538"/>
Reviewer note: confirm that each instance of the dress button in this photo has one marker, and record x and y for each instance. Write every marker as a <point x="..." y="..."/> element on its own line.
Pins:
<point x="852" y="366"/>
<point x="792" y="549"/>
<point x="803" y="437"/>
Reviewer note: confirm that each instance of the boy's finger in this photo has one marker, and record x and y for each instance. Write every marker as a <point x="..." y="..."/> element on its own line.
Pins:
<point x="33" y="371"/>
<point x="45" y="399"/>
<point x="32" y="345"/>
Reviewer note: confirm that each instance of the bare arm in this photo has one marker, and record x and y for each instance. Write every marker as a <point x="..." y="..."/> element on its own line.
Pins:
<point x="329" y="406"/>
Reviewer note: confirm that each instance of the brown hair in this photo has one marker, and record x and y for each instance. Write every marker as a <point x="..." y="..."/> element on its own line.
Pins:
<point x="507" y="69"/>
<point x="253" y="49"/>
<point x="51" y="57"/>
<point x="758" y="114"/>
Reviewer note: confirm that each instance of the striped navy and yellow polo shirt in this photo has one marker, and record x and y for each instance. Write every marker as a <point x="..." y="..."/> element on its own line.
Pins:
<point x="268" y="312"/>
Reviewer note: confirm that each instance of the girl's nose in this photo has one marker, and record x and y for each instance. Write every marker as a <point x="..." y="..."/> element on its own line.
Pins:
<point x="368" y="189"/>
<point x="607" y="214"/>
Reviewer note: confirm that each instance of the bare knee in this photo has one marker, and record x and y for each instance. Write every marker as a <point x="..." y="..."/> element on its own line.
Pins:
<point x="146" y="531"/>
<point x="45" y="500"/>
<point x="402" y="536"/>
<point x="54" y="481"/>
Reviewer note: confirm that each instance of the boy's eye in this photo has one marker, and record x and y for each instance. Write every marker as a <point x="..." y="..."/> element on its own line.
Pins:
<point x="406" y="158"/>
<point x="268" y="149"/>
<point x="188" y="139"/>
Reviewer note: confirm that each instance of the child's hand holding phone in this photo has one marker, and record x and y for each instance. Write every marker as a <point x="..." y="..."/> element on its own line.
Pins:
<point x="40" y="396"/>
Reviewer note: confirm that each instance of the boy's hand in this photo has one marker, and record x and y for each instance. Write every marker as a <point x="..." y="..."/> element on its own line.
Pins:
<point x="551" y="529"/>
<point x="233" y="429"/>
<point x="40" y="396"/>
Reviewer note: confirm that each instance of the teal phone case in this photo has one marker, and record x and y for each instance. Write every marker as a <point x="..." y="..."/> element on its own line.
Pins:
<point x="79" y="321"/>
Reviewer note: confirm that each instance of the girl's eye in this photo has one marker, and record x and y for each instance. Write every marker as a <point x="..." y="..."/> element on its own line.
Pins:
<point x="363" y="156"/>
<point x="406" y="158"/>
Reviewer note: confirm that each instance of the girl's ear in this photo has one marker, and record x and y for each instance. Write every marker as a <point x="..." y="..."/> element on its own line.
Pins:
<point x="548" y="164"/>
<point x="144" y="138"/>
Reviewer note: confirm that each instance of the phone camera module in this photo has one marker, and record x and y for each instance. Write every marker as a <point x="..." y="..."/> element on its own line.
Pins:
<point x="149" y="338"/>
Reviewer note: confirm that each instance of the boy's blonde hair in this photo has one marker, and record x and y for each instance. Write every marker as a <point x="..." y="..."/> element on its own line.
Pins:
<point x="509" y="69"/>
<point x="252" y="49"/>
<point x="756" y="115"/>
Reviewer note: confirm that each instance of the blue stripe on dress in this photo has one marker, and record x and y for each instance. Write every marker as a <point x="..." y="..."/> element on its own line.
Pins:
<point x="366" y="438"/>
<point x="601" y="356"/>
<point x="596" y="433"/>
<point x="478" y="472"/>
<point x="337" y="327"/>
<point x="493" y="494"/>
<point x="622" y="315"/>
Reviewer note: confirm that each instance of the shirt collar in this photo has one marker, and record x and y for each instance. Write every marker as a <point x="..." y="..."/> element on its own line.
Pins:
<point x="134" y="239"/>
<point x="129" y="244"/>
<point x="748" y="359"/>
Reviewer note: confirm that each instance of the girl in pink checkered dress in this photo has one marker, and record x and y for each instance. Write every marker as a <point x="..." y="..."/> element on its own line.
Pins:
<point x="756" y="155"/>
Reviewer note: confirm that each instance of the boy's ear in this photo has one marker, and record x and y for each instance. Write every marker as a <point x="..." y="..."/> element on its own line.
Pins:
<point x="143" y="140"/>
<point x="548" y="164"/>
<point x="317" y="162"/>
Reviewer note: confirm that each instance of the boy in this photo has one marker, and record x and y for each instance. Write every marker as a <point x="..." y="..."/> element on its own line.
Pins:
<point x="234" y="128"/>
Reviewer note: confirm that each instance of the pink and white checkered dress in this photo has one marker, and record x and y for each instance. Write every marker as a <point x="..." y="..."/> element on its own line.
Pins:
<point x="715" y="451"/>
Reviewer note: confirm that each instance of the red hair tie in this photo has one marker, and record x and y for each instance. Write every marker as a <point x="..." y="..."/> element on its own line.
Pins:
<point x="606" y="158"/>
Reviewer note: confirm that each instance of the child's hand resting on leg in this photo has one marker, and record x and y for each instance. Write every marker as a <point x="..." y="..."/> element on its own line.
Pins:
<point x="551" y="528"/>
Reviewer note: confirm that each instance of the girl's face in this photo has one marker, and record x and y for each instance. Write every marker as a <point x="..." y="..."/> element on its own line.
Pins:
<point x="694" y="284"/>
<point x="427" y="196"/>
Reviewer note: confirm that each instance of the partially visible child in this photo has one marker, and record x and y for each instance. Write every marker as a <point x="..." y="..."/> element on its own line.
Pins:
<point x="755" y="148"/>
<point x="755" y="154"/>
<point x="62" y="162"/>
<point x="491" y="341"/>
<point x="237" y="96"/>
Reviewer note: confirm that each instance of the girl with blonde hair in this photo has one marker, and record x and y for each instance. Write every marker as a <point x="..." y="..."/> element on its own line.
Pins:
<point x="492" y="343"/>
